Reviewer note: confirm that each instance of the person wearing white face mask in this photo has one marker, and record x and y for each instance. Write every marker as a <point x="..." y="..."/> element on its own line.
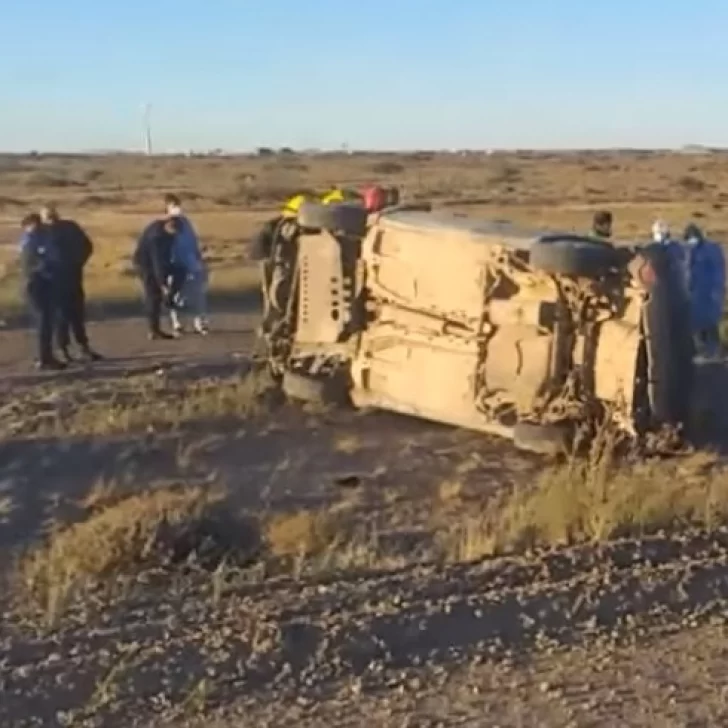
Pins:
<point x="187" y="258"/>
<point x="706" y="266"/>
<point x="677" y="255"/>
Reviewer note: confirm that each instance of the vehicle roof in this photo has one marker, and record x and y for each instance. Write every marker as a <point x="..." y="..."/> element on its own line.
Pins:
<point x="447" y="222"/>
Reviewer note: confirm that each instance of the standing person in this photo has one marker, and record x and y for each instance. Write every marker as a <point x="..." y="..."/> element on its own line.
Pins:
<point x="267" y="246"/>
<point x="706" y="266"/>
<point x="153" y="262"/>
<point x="189" y="265"/>
<point x="676" y="253"/>
<point x="74" y="249"/>
<point x="264" y="241"/>
<point x="602" y="225"/>
<point x="39" y="263"/>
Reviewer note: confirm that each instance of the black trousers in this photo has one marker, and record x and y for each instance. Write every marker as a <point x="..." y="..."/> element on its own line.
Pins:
<point x="71" y="313"/>
<point x="153" y="300"/>
<point x="41" y="297"/>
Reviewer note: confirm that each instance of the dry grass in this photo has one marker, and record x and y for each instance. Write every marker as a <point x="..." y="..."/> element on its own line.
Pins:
<point x="596" y="499"/>
<point x="450" y="490"/>
<point x="348" y="443"/>
<point x="145" y="404"/>
<point x="317" y="541"/>
<point x="118" y="536"/>
<point x="589" y="500"/>
<point x="303" y="533"/>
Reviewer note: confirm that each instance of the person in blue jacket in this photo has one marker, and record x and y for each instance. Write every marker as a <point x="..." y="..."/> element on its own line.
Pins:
<point x="189" y="264"/>
<point x="676" y="253"/>
<point x="39" y="263"/>
<point x="706" y="268"/>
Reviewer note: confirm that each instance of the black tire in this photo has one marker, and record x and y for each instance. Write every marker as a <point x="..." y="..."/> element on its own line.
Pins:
<point x="314" y="390"/>
<point x="670" y="362"/>
<point x="349" y="218"/>
<point x="572" y="255"/>
<point x="669" y="351"/>
<point x="541" y="439"/>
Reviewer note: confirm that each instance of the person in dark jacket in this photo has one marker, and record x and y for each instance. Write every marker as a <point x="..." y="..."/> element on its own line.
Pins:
<point x="74" y="250"/>
<point x="39" y="264"/>
<point x="602" y="225"/>
<point x="153" y="262"/>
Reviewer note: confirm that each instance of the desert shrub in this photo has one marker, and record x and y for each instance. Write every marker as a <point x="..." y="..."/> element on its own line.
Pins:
<point x="505" y="174"/>
<point x="272" y="193"/>
<point x="303" y="532"/>
<point x="93" y="175"/>
<point x="103" y="200"/>
<point x="290" y="163"/>
<point x="689" y="183"/>
<point x="58" y="181"/>
<point x="388" y="167"/>
<point x="118" y="535"/>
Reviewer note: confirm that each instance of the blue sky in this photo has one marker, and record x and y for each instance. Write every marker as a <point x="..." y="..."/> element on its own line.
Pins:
<point x="380" y="74"/>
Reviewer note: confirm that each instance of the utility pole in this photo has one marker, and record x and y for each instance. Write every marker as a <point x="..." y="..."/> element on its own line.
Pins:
<point x="148" y="128"/>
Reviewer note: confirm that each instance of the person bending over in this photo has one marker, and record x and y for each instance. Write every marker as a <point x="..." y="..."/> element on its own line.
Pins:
<point x="153" y="262"/>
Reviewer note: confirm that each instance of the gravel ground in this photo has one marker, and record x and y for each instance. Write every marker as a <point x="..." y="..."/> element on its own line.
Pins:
<point x="630" y="633"/>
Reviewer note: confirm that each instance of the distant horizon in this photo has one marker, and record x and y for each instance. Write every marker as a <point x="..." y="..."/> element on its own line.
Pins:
<point x="256" y="151"/>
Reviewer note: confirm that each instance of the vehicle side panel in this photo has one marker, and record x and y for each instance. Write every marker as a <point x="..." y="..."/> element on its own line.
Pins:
<point x="423" y="270"/>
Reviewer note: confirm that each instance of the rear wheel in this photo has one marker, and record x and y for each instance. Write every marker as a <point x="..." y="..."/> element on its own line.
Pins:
<point x="574" y="256"/>
<point x="346" y="217"/>
<point x="667" y="363"/>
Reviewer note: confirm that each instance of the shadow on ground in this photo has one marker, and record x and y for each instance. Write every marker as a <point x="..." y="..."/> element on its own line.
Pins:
<point x="290" y="461"/>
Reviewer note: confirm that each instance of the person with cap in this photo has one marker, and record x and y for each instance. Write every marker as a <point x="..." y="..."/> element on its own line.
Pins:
<point x="706" y="270"/>
<point x="40" y="268"/>
<point x="267" y="248"/>
<point x="602" y="225"/>
<point x="188" y="270"/>
<point x="263" y="242"/>
<point x="333" y="196"/>
<point x="153" y="263"/>
<point x="74" y="249"/>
